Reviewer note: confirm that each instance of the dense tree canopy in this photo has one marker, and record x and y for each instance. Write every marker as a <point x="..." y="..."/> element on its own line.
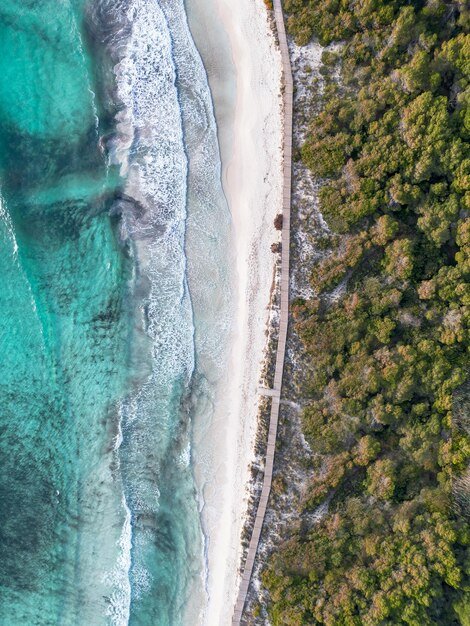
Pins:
<point x="391" y="145"/>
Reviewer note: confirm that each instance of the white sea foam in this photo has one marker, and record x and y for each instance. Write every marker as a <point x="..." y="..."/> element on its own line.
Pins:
<point x="119" y="603"/>
<point x="157" y="177"/>
<point x="152" y="155"/>
<point x="184" y="458"/>
<point x="78" y="39"/>
<point x="6" y="219"/>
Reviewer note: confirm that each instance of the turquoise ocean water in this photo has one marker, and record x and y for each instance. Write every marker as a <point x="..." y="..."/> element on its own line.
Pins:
<point x="113" y="238"/>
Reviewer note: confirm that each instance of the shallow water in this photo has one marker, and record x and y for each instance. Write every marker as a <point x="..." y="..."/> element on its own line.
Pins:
<point x="113" y="309"/>
<point x="63" y="319"/>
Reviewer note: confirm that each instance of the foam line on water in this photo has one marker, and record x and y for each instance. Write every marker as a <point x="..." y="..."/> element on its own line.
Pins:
<point x="118" y="610"/>
<point x="6" y="219"/>
<point x="155" y="163"/>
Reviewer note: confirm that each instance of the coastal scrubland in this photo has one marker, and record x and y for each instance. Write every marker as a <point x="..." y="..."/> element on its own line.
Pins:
<point x="386" y="335"/>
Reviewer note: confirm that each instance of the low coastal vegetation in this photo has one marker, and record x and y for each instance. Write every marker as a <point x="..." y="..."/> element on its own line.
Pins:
<point x="386" y="336"/>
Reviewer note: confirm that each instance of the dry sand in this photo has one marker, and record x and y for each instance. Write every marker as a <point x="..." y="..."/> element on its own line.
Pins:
<point x="244" y="70"/>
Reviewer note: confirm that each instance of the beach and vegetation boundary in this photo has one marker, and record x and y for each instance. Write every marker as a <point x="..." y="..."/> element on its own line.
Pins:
<point x="275" y="392"/>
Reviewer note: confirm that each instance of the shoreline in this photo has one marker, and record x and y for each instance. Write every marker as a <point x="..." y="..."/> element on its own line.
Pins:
<point x="243" y="64"/>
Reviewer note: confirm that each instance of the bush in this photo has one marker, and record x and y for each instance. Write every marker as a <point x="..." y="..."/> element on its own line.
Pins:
<point x="278" y="221"/>
<point x="385" y="352"/>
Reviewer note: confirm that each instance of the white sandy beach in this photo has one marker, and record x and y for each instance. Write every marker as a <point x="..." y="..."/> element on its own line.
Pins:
<point x="244" y="69"/>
